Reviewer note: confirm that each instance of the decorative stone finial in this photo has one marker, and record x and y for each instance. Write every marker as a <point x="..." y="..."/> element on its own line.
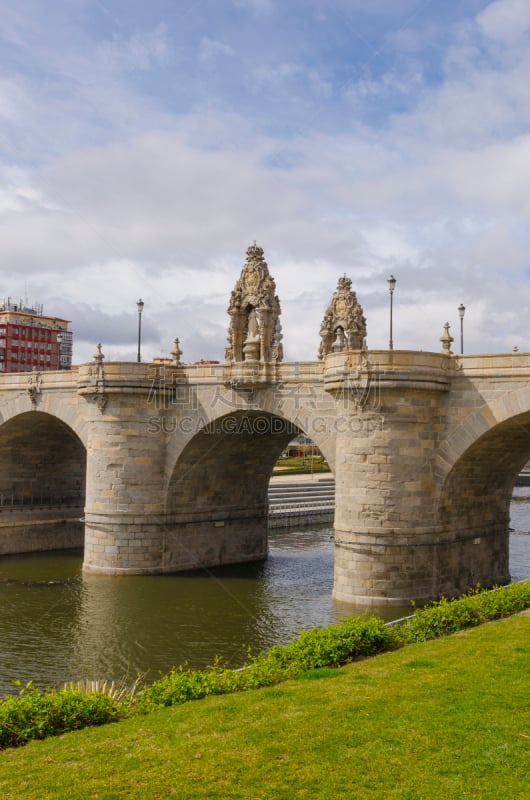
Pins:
<point x="340" y="342"/>
<point x="254" y="333"/>
<point x="95" y="389"/>
<point x="35" y="387"/>
<point x="98" y="355"/>
<point x="446" y="340"/>
<point x="176" y="353"/>
<point x="343" y="314"/>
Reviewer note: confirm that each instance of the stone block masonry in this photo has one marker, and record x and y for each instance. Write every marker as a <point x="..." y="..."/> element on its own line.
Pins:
<point x="174" y="463"/>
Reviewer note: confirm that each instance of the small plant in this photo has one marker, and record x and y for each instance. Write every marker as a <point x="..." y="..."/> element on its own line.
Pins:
<point x="120" y="691"/>
<point x="449" y="616"/>
<point x="36" y="715"/>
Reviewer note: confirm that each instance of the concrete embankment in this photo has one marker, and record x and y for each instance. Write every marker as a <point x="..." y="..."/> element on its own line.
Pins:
<point x="27" y="530"/>
<point x="301" y="500"/>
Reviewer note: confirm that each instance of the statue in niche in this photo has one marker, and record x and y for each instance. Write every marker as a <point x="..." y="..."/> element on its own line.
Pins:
<point x="344" y="325"/>
<point x="253" y="329"/>
<point x="254" y="333"/>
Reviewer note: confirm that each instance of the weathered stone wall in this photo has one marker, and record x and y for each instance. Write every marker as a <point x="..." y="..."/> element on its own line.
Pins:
<point x="385" y="522"/>
<point x="42" y="464"/>
<point x="124" y="510"/>
<point x="41" y="460"/>
<point x="41" y="529"/>
<point x="425" y="449"/>
<point x="178" y="470"/>
<point x="423" y="503"/>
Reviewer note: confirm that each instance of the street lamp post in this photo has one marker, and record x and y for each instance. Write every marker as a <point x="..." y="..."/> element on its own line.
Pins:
<point x="140" y="306"/>
<point x="461" y="311"/>
<point x="59" y="341"/>
<point x="391" y="287"/>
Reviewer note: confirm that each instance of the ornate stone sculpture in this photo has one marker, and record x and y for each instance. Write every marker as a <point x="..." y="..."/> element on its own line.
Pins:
<point x="35" y="388"/>
<point x="446" y="340"/>
<point x="96" y="390"/>
<point x="176" y="353"/>
<point x="343" y="326"/>
<point x="254" y="333"/>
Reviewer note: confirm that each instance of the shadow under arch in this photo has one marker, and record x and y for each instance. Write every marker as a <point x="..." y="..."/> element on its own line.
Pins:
<point x="474" y="500"/>
<point x="217" y="500"/>
<point x="42" y="484"/>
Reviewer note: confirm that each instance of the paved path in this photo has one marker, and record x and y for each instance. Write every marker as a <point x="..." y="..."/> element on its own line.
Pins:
<point x="304" y="476"/>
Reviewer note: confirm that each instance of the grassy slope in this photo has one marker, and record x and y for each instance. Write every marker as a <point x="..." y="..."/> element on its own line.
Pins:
<point x="442" y="719"/>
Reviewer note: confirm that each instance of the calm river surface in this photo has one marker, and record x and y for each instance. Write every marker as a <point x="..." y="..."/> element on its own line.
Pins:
<point x="57" y="624"/>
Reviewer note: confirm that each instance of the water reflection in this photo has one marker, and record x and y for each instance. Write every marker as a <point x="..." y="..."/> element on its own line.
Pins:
<point x="57" y="624"/>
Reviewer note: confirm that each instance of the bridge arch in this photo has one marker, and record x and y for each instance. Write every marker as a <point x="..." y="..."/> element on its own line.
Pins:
<point x="59" y="407"/>
<point x="42" y="483"/>
<point x="511" y="408"/>
<point x="475" y="496"/>
<point x="217" y="491"/>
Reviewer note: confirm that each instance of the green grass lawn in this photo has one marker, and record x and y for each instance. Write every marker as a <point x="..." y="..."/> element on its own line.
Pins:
<point x="445" y="719"/>
<point x="290" y="466"/>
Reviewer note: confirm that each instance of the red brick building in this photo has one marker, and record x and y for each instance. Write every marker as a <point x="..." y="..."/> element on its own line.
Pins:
<point x="29" y="340"/>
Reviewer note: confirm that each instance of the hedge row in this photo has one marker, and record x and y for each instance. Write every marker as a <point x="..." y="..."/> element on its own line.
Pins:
<point x="35" y="714"/>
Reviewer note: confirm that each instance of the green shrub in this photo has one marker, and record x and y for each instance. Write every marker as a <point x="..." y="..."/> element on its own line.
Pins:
<point x="36" y="715"/>
<point x="181" y="685"/>
<point x="314" y="648"/>
<point x="331" y="646"/>
<point x="448" y="616"/>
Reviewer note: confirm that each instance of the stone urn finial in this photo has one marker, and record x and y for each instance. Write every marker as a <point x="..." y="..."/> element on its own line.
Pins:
<point x="446" y="340"/>
<point x="98" y="355"/>
<point x="340" y="342"/>
<point x="176" y="353"/>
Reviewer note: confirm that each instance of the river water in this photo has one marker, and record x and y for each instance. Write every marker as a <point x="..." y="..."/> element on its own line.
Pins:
<point x="58" y="624"/>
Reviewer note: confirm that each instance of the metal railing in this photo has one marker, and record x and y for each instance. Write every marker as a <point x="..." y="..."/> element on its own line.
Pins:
<point x="13" y="501"/>
<point x="294" y="509"/>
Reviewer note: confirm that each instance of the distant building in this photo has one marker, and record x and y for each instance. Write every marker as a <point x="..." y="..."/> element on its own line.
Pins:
<point x="29" y="340"/>
<point x="301" y="447"/>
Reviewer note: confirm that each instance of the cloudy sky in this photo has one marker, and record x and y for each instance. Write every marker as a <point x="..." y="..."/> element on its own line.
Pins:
<point x="145" y="145"/>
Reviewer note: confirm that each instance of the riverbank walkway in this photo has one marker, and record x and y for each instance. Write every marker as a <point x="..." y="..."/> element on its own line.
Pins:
<point x="301" y="499"/>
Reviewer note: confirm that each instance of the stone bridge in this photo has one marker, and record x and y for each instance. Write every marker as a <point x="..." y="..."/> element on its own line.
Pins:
<point x="169" y="465"/>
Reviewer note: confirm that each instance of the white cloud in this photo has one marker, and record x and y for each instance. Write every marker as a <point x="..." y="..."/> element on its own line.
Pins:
<point x="259" y="6"/>
<point x="505" y="21"/>
<point x="266" y="73"/>
<point x="211" y="48"/>
<point x="141" y="51"/>
<point x="114" y="191"/>
<point x="9" y="99"/>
